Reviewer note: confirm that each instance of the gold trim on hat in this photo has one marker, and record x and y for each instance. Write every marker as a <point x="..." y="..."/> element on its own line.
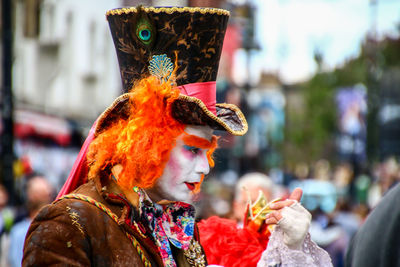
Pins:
<point x="108" y="110"/>
<point x="215" y="118"/>
<point x="239" y="113"/>
<point x="169" y="10"/>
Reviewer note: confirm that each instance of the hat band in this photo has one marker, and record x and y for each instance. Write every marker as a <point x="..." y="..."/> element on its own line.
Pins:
<point x="205" y="91"/>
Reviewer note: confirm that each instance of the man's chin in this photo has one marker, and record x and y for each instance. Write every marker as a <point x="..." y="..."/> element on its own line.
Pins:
<point x="178" y="196"/>
<point x="183" y="198"/>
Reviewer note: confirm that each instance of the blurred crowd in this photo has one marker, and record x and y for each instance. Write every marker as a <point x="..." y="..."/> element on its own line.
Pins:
<point x="338" y="198"/>
<point x="36" y="191"/>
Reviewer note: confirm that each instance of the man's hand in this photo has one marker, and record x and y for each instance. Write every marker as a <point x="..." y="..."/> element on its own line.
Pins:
<point x="292" y="218"/>
<point x="276" y="216"/>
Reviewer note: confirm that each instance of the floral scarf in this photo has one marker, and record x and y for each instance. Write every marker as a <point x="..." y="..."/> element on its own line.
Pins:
<point x="172" y="223"/>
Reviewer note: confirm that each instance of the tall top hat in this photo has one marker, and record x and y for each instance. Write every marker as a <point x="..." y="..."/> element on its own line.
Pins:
<point x="151" y="41"/>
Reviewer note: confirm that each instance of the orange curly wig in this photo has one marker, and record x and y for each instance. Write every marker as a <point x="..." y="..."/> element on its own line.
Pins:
<point x="143" y="142"/>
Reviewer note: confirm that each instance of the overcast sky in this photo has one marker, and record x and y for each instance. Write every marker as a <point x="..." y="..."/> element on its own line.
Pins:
<point x="289" y="31"/>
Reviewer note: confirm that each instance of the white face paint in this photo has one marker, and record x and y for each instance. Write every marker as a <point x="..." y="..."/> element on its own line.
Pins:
<point x="185" y="167"/>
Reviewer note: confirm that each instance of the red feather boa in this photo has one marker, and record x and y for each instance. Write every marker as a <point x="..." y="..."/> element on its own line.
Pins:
<point x="229" y="246"/>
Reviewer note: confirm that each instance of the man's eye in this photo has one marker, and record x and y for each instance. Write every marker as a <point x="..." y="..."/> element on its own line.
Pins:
<point x="192" y="149"/>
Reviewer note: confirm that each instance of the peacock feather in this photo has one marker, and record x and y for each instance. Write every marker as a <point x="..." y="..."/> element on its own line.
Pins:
<point x="145" y="28"/>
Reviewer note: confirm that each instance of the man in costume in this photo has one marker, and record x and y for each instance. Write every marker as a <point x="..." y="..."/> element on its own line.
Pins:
<point x="148" y="153"/>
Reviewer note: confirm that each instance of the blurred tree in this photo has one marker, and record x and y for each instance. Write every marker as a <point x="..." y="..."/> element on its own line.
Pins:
<point x="311" y="128"/>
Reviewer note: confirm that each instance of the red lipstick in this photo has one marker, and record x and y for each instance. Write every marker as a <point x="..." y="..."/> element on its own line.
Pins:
<point x="190" y="186"/>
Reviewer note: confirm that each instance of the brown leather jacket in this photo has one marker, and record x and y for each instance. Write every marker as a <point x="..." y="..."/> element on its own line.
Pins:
<point x="73" y="232"/>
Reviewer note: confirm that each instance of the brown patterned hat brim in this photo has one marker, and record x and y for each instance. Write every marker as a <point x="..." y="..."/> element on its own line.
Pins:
<point x="191" y="110"/>
<point x="187" y="110"/>
<point x="119" y="109"/>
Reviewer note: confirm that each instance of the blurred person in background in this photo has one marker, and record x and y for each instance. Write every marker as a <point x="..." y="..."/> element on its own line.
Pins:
<point x="389" y="174"/>
<point x="39" y="192"/>
<point x="6" y="212"/>
<point x="329" y="229"/>
<point x="301" y="171"/>
<point x="342" y="179"/>
<point x="7" y="216"/>
<point x="386" y="175"/>
<point x="247" y="189"/>
<point x="329" y="235"/>
<point x="345" y="221"/>
<point x="322" y="170"/>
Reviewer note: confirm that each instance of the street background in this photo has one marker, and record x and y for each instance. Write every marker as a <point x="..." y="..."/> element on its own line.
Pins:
<point x="318" y="81"/>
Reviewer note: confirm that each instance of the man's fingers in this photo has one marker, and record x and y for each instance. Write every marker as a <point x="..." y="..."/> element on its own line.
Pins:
<point x="271" y="221"/>
<point x="281" y="204"/>
<point x="273" y="217"/>
<point x="296" y="194"/>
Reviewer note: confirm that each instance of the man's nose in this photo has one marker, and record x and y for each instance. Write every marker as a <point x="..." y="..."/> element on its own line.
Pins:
<point x="202" y="166"/>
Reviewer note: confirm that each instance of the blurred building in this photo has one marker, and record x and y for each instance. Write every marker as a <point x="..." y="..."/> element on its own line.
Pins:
<point x="266" y="124"/>
<point x="65" y="64"/>
<point x="65" y="73"/>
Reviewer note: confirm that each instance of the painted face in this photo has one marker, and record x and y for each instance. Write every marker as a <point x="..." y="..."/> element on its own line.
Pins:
<point x="186" y="165"/>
